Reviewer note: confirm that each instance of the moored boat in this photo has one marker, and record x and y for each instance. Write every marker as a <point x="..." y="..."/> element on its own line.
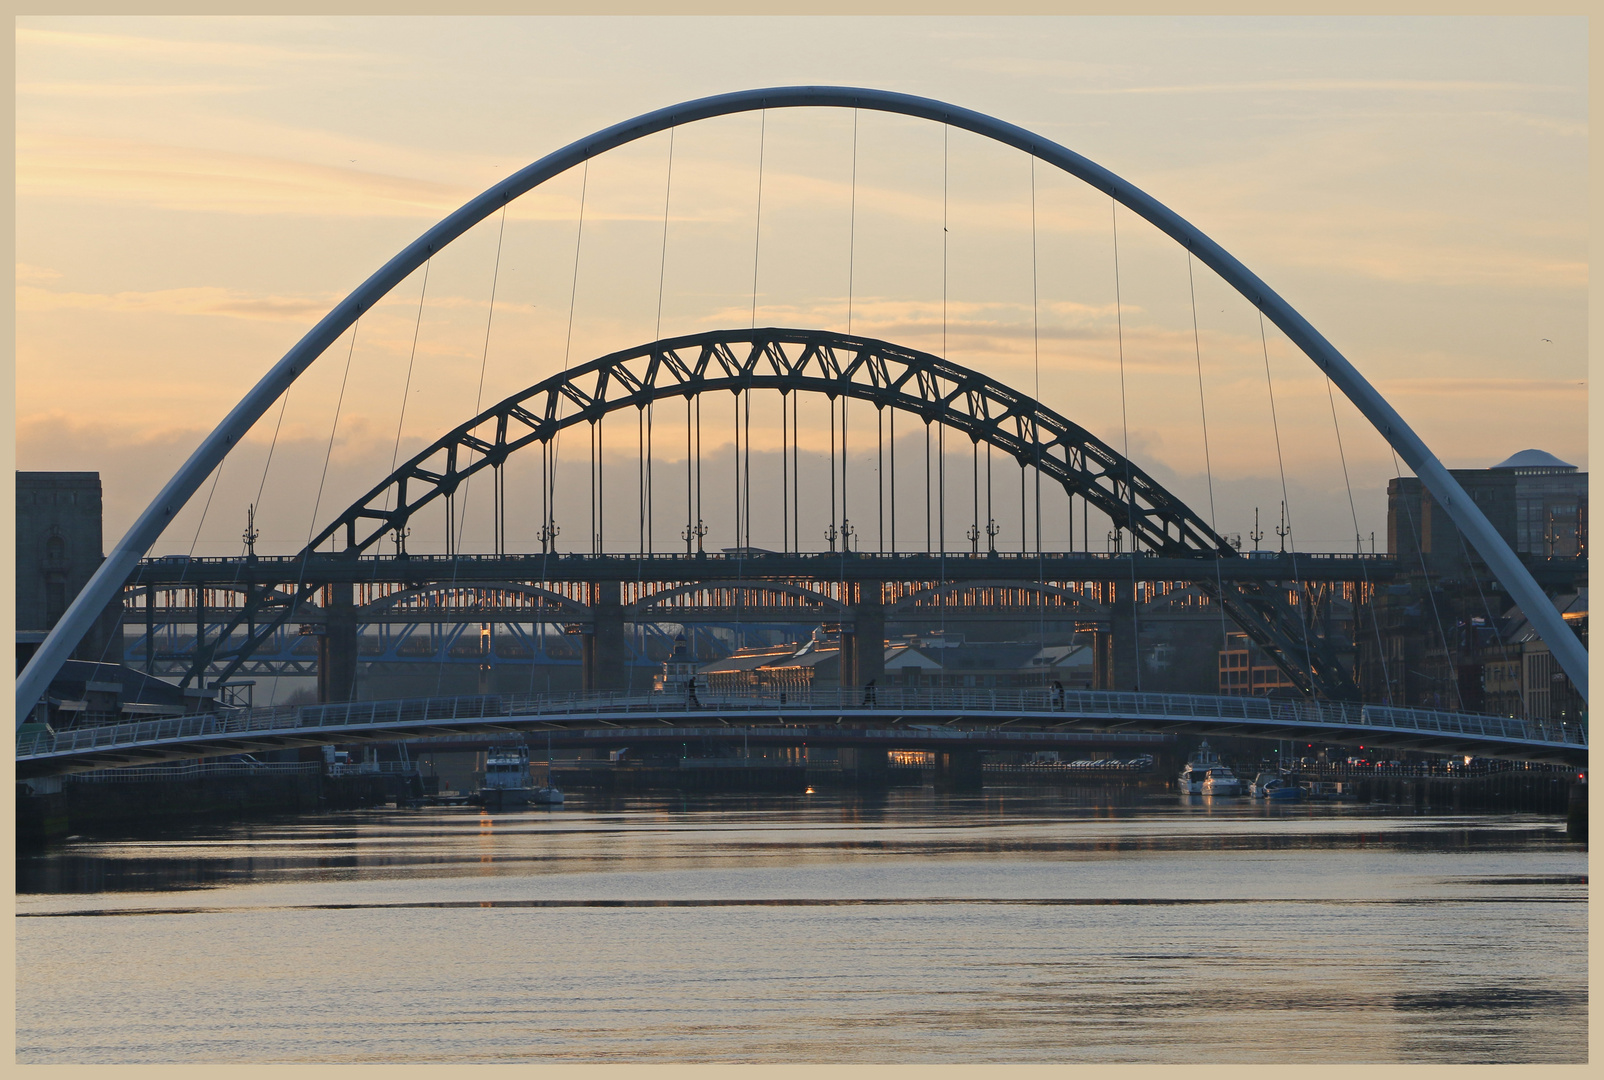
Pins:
<point x="1206" y="774"/>
<point x="507" y="782"/>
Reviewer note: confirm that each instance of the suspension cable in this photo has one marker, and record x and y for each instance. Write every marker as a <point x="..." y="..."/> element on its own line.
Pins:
<point x="746" y="471"/>
<point x="929" y="537"/>
<point x="1035" y="337"/>
<point x="568" y="339"/>
<point x="785" y="478"/>
<point x="833" y="518"/>
<point x="757" y="226"/>
<point x="689" y="514"/>
<point x="852" y="223"/>
<point x="1425" y="572"/>
<point x="1275" y="425"/>
<point x="328" y="453"/>
<point x="1364" y="569"/>
<point x="941" y="429"/>
<point x="662" y="258"/>
<point x="1130" y="490"/>
<point x="846" y="399"/>
<point x="1208" y="462"/>
<point x="974" y="528"/>
<point x="406" y="387"/>
<point x="484" y="360"/>
<point x="796" y="471"/>
<point x="640" y="474"/>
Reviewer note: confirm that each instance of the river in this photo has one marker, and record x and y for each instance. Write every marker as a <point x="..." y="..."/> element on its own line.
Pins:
<point x="1021" y="925"/>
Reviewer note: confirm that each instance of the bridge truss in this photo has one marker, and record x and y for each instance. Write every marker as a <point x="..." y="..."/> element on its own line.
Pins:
<point x="933" y="390"/>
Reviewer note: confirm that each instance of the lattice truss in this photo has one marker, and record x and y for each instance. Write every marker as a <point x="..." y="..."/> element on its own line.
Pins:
<point x="931" y="388"/>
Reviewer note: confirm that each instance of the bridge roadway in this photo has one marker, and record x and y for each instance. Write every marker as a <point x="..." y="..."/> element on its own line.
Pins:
<point x="408" y="569"/>
<point x="913" y="719"/>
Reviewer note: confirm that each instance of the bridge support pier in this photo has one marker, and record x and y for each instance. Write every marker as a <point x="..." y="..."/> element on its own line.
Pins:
<point x="337" y="646"/>
<point x="1123" y="645"/>
<point x="864" y="768"/>
<point x="605" y="651"/>
<point x="863" y="653"/>
<point x="958" y="771"/>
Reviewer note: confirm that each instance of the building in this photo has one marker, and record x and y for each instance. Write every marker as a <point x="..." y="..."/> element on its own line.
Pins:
<point x="1246" y="672"/>
<point x="58" y="549"/>
<point x="1433" y="637"/>
<point x="813" y="665"/>
<point x="1535" y="501"/>
<point x="1527" y="682"/>
<point x="947" y="660"/>
<point x="918" y="661"/>
<point x="1550" y="504"/>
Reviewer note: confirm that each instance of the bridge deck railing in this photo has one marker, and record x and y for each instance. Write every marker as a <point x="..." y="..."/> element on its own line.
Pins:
<point x="763" y="703"/>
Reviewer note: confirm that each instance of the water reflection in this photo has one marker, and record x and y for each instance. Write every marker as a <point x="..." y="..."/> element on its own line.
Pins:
<point x="1014" y="925"/>
<point x="594" y="833"/>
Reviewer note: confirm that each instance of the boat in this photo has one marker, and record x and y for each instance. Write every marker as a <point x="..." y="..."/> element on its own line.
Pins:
<point x="1206" y="774"/>
<point x="507" y="783"/>
<point x="1274" y="786"/>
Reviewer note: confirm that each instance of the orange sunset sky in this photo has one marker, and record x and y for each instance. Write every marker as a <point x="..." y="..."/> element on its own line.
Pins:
<point x="194" y="193"/>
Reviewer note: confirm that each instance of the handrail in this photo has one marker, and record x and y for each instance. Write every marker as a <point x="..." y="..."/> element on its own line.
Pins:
<point x="1040" y="703"/>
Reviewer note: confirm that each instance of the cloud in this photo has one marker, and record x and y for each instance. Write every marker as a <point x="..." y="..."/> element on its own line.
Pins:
<point x="127" y="90"/>
<point x="180" y="178"/>
<point x="29" y="272"/>
<point x="1327" y="86"/>
<point x="200" y="300"/>
<point x="1483" y="388"/>
<point x="210" y="53"/>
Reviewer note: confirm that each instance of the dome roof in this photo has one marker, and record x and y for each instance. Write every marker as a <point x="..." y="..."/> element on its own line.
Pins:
<point x="1534" y="459"/>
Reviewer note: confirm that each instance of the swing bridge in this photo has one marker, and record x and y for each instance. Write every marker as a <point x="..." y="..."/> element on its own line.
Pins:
<point x="861" y="565"/>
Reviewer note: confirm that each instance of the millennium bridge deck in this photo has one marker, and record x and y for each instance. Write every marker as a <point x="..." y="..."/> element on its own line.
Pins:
<point x="905" y="718"/>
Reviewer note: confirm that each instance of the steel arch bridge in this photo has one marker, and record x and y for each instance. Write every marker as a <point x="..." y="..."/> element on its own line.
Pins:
<point x="890" y="377"/>
<point x="124" y="558"/>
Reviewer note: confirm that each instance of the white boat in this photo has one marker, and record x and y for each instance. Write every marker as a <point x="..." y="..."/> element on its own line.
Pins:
<point x="1206" y="774"/>
<point x="507" y="782"/>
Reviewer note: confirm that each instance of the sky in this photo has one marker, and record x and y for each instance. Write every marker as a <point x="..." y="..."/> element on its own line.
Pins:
<point x="194" y="193"/>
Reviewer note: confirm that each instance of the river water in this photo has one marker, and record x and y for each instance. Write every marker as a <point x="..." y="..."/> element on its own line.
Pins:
<point x="1022" y="925"/>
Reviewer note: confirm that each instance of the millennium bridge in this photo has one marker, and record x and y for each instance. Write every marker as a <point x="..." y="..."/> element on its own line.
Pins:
<point x="343" y="578"/>
<point x="904" y="719"/>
